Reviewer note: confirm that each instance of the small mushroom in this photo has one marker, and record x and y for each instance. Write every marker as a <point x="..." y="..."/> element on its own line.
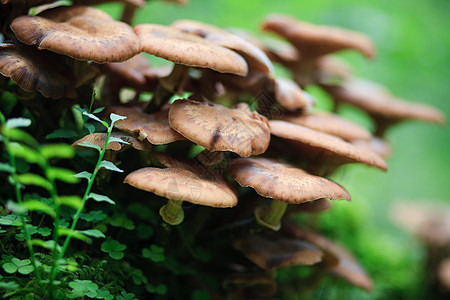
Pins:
<point x="315" y="41"/>
<point x="32" y="70"/>
<point x="270" y="252"/>
<point x="284" y="183"/>
<point x="218" y="128"/>
<point x="80" y="32"/>
<point x="153" y="127"/>
<point x="381" y="105"/>
<point x="337" y="259"/>
<point x="322" y="146"/>
<point x="183" y="181"/>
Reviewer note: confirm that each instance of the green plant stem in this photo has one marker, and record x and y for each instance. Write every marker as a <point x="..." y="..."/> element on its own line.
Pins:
<point x="12" y="162"/>
<point x="54" y="196"/>
<point x="85" y="197"/>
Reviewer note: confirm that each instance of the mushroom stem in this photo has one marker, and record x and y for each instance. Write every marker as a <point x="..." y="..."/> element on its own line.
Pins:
<point x="270" y="216"/>
<point x="172" y="213"/>
<point x="167" y="87"/>
<point x="128" y="13"/>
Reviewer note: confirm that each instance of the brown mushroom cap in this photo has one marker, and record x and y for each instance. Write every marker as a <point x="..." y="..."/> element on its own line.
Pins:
<point x="329" y="123"/>
<point x="186" y="181"/>
<point x="218" y="128"/>
<point x="379" y="102"/>
<point x="188" y="49"/>
<point x="256" y="59"/>
<point x="37" y="70"/>
<point x="317" y="40"/>
<point x="375" y="144"/>
<point x="100" y="139"/>
<point x="83" y="33"/>
<point x="275" y="252"/>
<point x="153" y="127"/>
<point x="291" y="97"/>
<point x="329" y="144"/>
<point x="283" y="182"/>
<point x="337" y="259"/>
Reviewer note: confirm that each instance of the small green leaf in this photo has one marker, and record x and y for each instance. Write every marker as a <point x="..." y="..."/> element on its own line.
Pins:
<point x="61" y="133"/>
<point x="95" y="118"/>
<point x="36" y="205"/>
<point x="18" y="122"/>
<point x="20" y="135"/>
<point x="93" y="233"/>
<point x="74" y="234"/>
<point x="116" y="255"/>
<point x="61" y="174"/>
<point x="16" y="208"/>
<point x="101" y="198"/>
<point x="25" y="152"/>
<point x="110" y="166"/>
<point x="114" y="118"/>
<point x="98" y="110"/>
<point x="49" y="245"/>
<point x="33" y="179"/>
<point x="89" y="127"/>
<point x="19" y="262"/>
<point x="10" y="285"/>
<point x="44" y="231"/>
<point x="10" y="268"/>
<point x="71" y="201"/>
<point x="6" y="168"/>
<point x="57" y="150"/>
<point x="90" y="145"/>
<point x="84" y="175"/>
<point x="116" y="139"/>
<point x="26" y="270"/>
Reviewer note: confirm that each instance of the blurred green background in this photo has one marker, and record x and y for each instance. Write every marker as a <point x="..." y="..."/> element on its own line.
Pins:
<point x="413" y="61"/>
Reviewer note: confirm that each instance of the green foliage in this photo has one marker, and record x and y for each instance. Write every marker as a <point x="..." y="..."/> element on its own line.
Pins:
<point x="114" y="249"/>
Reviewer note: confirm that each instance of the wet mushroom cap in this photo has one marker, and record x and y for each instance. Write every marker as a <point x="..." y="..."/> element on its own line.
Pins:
<point x="80" y="32"/>
<point x="283" y="182"/>
<point x="275" y="252"/>
<point x="188" y="49"/>
<point x="328" y="143"/>
<point x="99" y="139"/>
<point x="255" y="57"/>
<point x="33" y="70"/>
<point x="153" y="127"/>
<point x="379" y="102"/>
<point x="329" y="123"/>
<point x="186" y="181"/>
<point x="318" y="40"/>
<point x="218" y="128"/>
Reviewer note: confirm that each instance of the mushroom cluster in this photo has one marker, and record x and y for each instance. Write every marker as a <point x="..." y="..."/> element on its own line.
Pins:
<point x="220" y="130"/>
